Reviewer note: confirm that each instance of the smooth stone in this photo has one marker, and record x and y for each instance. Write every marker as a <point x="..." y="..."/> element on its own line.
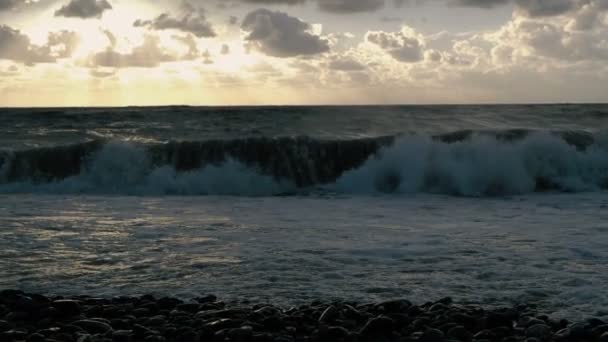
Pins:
<point x="337" y="333"/>
<point x="188" y="336"/>
<point x="432" y="335"/>
<point x="141" y="312"/>
<point x="67" y="306"/>
<point x="11" y="335"/>
<point x="328" y="314"/>
<point x="122" y="336"/>
<point x="156" y="321"/>
<point x="599" y="330"/>
<point x="155" y="339"/>
<point x="168" y="303"/>
<point x="540" y="331"/>
<point x="93" y="326"/>
<point x="242" y="333"/>
<point x="380" y="324"/>
<point x="188" y="307"/>
<point x="528" y="321"/>
<point x="63" y="337"/>
<point x="206" y="299"/>
<point x="485" y="335"/>
<point x="460" y="333"/>
<point x="273" y="323"/>
<point x="223" y="323"/>
<point x="4" y="326"/>
<point x="36" y="338"/>
<point x="395" y="306"/>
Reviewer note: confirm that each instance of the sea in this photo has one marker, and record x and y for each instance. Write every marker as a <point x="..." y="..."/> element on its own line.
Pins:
<point x="487" y="204"/>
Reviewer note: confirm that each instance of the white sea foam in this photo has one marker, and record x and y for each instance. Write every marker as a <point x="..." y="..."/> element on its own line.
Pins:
<point x="123" y="168"/>
<point x="481" y="166"/>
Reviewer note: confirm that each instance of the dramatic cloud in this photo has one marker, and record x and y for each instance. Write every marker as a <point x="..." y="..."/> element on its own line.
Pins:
<point x="84" y="9"/>
<point x="345" y="64"/>
<point x="147" y="55"/>
<point x="194" y="22"/>
<point x="17" y="47"/>
<point x="280" y="35"/>
<point x="405" y="46"/>
<point x="8" y="4"/>
<point x="350" y="6"/>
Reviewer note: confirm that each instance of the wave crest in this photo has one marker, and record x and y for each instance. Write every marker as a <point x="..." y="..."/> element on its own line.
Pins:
<point x="463" y="163"/>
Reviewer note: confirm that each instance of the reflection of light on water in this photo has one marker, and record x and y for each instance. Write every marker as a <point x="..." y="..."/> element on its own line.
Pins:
<point x="273" y="248"/>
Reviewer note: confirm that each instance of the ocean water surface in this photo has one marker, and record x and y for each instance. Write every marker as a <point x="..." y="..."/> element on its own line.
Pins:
<point x="486" y="204"/>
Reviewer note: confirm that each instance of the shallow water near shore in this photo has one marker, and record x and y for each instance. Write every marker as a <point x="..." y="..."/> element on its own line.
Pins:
<point x="547" y="248"/>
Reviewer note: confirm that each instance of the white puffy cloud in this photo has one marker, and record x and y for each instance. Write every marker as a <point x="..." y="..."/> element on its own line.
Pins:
<point x="405" y="45"/>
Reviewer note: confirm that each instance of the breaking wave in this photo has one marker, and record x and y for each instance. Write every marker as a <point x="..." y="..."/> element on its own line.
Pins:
<point x="463" y="163"/>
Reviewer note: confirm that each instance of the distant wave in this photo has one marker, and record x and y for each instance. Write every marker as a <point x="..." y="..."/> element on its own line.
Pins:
<point x="465" y="163"/>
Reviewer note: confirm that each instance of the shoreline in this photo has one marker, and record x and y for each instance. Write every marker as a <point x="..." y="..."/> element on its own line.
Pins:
<point x="82" y="318"/>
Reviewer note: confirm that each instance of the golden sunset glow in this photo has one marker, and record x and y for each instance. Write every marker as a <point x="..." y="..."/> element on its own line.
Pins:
<point x="101" y="52"/>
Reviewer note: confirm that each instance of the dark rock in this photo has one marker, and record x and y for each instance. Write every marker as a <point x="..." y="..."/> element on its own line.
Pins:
<point x="460" y="333"/>
<point x="395" y="306"/>
<point x="188" y="307"/>
<point x="13" y="335"/>
<point x="187" y="336"/>
<point x="122" y="336"/>
<point x="93" y="326"/>
<point x="329" y="314"/>
<point x="380" y="324"/>
<point x="540" y="331"/>
<point x="337" y="333"/>
<point x="432" y="335"/>
<point x="438" y="307"/>
<point x="67" y="307"/>
<point x="485" y="335"/>
<point x="36" y="338"/>
<point x="156" y="321"/>
<point x="63" y="337"/>
<point x="223" y="323"/>
<point x="141" y="312"/>
<point x="273" y="323"/>
<point x="528" y="321"/>
<point x="155" y="339"/>
<point x="168" y="303"/>
<point x="4" y="326"/>
<point x="603" y="337"/>
<point x="241" y="334"/>
<point x="599" y="330"/>
<point x="206" y="299"/>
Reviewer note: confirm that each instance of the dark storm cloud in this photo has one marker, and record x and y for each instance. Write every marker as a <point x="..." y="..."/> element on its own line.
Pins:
<point x="193" y="22"/>
<point x="350" y="6"/>
<point x="280" y="35"/>
<point x="17" y="47"/>
<point x="333" y="6"/>
<point x="275" y="2"/>
<point x="8" y="4"/>
<point x="531" y="8"/>
<point x="84" y="9"/>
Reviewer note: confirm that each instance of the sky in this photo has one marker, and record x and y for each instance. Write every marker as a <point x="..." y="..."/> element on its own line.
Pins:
<point x="256" y="52"/>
